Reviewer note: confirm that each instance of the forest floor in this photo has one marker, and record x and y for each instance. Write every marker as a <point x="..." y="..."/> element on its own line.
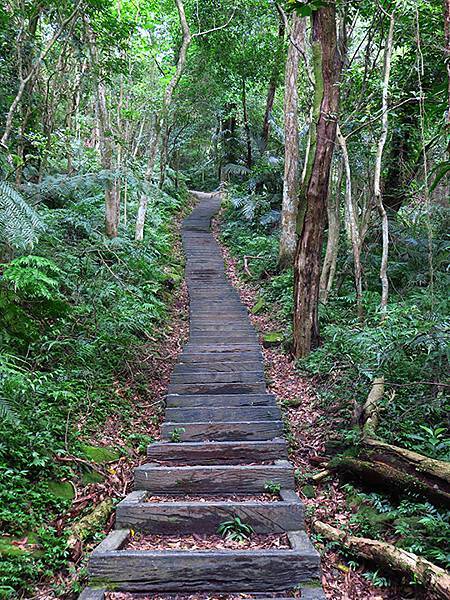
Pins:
<point x="310" y="427"/>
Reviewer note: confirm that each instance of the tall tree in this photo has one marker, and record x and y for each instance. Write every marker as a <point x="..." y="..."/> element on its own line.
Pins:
<point x="288" y="237"/>
<point x="327" y="66"/>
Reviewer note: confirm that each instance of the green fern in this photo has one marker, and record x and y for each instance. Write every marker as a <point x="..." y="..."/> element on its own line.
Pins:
<point x="19" y="223"/>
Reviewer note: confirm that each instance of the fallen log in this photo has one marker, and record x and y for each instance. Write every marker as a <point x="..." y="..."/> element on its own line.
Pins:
<point x="388" y="476"/>
<point x="432" y="577"/>
<point x="87" y="524"/>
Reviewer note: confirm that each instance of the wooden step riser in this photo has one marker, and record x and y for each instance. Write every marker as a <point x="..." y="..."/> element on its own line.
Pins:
<point x="225" y="414"/>
<point x="234" y="479"/>
<point x="204" y="400"/>
<point x="217" y="453"/>
<point x="192" y="357"/>
<point x="223" y="431"/>
<point x="224" y="367"/>
<point x="204" y="377"/>
<point x="274" y="570"/>
<point x="178" y="518"/>
<point x="216" y="388"/>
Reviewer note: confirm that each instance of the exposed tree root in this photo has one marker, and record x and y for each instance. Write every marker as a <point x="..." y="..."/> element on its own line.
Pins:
<point x="85" y="526"/>
<point x="435" y="579"/>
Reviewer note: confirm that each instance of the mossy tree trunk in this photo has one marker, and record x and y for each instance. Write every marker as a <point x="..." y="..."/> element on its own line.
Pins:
<point x="327" y="65"/>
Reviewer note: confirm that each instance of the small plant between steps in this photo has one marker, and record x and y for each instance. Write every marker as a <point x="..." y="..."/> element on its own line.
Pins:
<point x="235" y="530"/>
<point x="272" y="488"/>
<point x="175" y="435"/>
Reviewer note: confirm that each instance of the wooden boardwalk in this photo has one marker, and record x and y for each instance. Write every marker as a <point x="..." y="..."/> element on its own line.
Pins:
<point x="222" y="436"/>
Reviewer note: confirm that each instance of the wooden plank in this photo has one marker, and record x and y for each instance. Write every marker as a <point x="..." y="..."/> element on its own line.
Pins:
<point x="191" y="357"/>
<point x="206" y="453"/>
<point x="216" y="388"/>
<point x="223" y="414"/>
<point x="215" y="479"/>
<point x="221" y="367"/>
<point x="113" y="541"/>
<point x="220" y="377"/>
<point x="173" y="571"/>
<point x="180" y="400"/>
<point x="181" y="518"/>
<point x="90" y="593"/>
<point x="221" y="431"/>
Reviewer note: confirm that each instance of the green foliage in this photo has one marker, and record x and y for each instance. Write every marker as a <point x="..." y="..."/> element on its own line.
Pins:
<point x="19" y="223"/>
<point x="272" y="488"/>
<point x="235" y="530"/>
<point x="175" y="434"/>
<point x="71" y="315"/>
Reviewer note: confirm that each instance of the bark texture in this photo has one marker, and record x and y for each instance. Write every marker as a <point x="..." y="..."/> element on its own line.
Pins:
<point x="310" y="221"/>
<point x="288" y="238"/>
<point x="435" y="579"/>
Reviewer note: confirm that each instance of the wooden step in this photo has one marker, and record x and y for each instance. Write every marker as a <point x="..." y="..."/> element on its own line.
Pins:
<point x="211" y="400"/>
<point x="212" y="479"/>
<point x="180" y="518"/>
<point x="192" y="356"/>
<point x="223" y="414"/>
<point x="222" y="367"/>
<point x="218" y="377"/>
<point x="222" y="431"/>
<point x="193" y="571"/>
<point x="210" y="453"/>
<point x="216" y="388"/>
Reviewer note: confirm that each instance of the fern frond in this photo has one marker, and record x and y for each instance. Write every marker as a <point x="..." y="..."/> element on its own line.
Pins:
<point x="233" y="169"/>
<point x="19" y="223"/>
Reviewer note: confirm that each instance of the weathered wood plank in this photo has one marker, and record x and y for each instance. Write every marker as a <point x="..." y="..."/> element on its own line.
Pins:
<point x="223" y="367"/>
<point x="202" y="571"/>
<point x="223" y="414"/>
<point x="216" y="388"/>
<point x="211" y="479"/>
<point x="223" y="431"/>
<point x="113" y="541"/>
<point x="211" y="400"/>
<point x="206" y="453"/>
<point x="92" y="594"/>
<point x="181" y="518"/>
<point x="220" y="377"/>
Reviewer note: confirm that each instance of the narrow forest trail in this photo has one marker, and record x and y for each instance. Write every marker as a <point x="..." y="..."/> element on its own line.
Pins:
<point x="222" y="456"/>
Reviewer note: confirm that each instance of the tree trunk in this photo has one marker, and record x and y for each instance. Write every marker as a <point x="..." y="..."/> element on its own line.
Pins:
<point x="435" y="579"/>
<point x="248" y="137"/>
<point x="162" y="121"/>
<point x="143" y="200"/>
<point x="353" y="223"/>
<point x="272" y="89"/>
<point x="447" y="62"/>
<point x="377" y="174"/>
<point x="310" y="220"/>
<point x="334" y="227"/>
<point x="288" y="238"/>
<point x="106" y="152"/>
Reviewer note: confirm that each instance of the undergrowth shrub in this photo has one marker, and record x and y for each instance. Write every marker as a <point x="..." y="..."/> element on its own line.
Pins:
<point x="72" y="313"/>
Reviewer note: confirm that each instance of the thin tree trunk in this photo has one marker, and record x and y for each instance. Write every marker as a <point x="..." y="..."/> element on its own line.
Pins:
<point x="106" y="153"/>
<point x="288" y="238"/>
<point x="272" y="89"/>
<point x="334" y="227"/>
<point x="143" y="201"/>
<point x="248" y="136"/>
<point x="31" y="75"/>
<point x="447" y="62"/>
<point x="353" y="224"/>
<point x="378" y="160"/>
<point x="310" y="221"/>
<point x="162" y="122"/>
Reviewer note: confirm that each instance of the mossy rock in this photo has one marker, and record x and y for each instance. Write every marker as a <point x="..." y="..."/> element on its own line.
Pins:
<point x="258" y="306"/>
<point x="91" y="477"/>
<point x="272" y="339"/>
<point x="308" y="491"/>
<point x="293" y="402"/>
<point x="100" y="454"/>
<point x="8" y="548"/>
<point x="61" y="489"/>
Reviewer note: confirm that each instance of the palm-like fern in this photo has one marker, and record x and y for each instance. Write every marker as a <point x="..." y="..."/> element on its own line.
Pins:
<point x="19" y="223"/>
